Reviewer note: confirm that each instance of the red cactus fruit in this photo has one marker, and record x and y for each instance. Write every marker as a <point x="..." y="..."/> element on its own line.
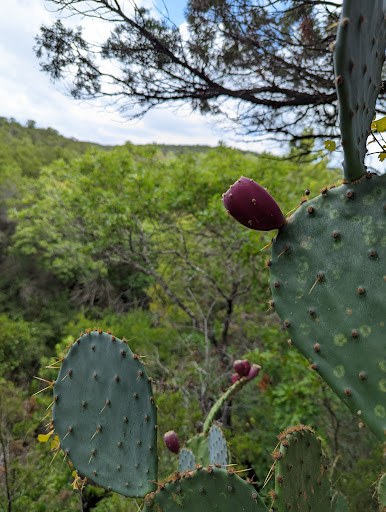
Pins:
<point x="254" y="371"/>
<point x="242" y="367"/>
<point x="235" y="377"/>
<point x="172" y="442"/>
<point x="251" y="205"/>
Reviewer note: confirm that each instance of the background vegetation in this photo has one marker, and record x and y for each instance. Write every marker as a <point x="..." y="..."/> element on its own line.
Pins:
<point x="135" y="239"/>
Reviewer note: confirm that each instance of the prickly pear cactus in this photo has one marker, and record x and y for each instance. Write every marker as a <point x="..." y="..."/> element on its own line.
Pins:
<point x="300" y="480"/>
<point x="218" y="448"/>
<point x="210" y="447"/>
<point x="358" y="58"/>
<point x="209" y="489"/>
<point x="328" y="261"/>
<point x="186" y="460"/>
<point x="204" y="449"/>
<point x="328" y="284"/>
<point x="381" y="490"/>
<point x="339" y="503"/>
<point x="199" y="446"/>
<point x="105" y="416"/>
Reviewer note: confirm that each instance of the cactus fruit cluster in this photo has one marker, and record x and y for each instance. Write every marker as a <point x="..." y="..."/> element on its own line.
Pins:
<point x="328" y="284"/>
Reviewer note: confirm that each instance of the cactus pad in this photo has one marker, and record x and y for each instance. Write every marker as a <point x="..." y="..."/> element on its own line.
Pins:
<point x="211" y="489"/>
<point x="105" y="416"/>
<point x="339" y="503"/>
<point x="186" y="460"/>
<point x="328" y="283"/>
<point x="199" y="446"/>
<point x="300" y="480"/>
<point x="358" y="58"/>
<point x="381" y="490"/>
<point x="218" y="448"/>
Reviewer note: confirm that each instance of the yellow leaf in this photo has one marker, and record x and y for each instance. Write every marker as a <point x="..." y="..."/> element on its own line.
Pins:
<point x="43" y="438"/>
<point x="55" y="443"/>
<point x="382" y="156"/>
<point x="380" y="125"/>
<point x="330" y="145"/>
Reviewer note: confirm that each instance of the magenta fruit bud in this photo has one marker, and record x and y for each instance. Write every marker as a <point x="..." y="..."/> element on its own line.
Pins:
<point x="254" y="371"/>
<point x="172" y="442"/>
<point x="252" y="206"/>
<point x="242" y="367"/>
<point x="235" y="377"/>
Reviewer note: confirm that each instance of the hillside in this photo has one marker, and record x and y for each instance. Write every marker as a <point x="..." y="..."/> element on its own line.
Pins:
<point x="31" y="148"/>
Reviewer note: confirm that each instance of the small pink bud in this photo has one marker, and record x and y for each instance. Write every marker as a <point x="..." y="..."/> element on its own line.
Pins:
<point x="254" y="371"/>
<point x="172" y="442"/>
<point x="251" y="205"/>
<point x="235" y="377"/>
<point x="242" y="367"/>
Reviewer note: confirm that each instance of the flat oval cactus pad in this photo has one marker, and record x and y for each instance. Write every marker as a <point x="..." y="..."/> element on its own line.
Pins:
<point x="328" y="280"/>
<point x="105" y="416"/>
<point x="301" y="482"/>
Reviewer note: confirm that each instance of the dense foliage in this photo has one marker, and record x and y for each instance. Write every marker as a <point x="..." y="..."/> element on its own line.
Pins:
<point x="136" y="239"/>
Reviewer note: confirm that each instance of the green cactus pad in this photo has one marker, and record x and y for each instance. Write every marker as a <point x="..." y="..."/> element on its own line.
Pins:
<point x="381" y="490"/>
<point x="358" y="58"/>
<point x="105" y="416"/>
<point x="339" y="503"/>
<point x="186" y="460"/>
<point x="218" y="448"/>
<point x="199" y="446"/>
<point x="209" y="490"/>
<point x="328" y="281"/>
<point x="300" y="480"/>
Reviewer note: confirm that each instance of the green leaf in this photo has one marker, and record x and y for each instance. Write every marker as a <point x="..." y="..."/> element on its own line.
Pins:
<point x="330" y="145"/>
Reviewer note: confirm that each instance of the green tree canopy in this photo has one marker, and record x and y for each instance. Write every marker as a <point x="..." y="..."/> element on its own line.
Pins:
<point x="157" y="224"/>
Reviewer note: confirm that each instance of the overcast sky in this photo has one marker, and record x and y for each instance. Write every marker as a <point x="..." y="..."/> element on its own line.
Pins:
<point x="27" y="93"/>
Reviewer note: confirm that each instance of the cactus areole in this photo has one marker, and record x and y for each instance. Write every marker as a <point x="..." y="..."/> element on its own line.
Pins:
<point x="252" y="206"/>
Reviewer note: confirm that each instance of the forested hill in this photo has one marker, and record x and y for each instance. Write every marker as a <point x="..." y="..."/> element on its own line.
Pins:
<point x="135" y="239"/>
<point x="32" y="148"/>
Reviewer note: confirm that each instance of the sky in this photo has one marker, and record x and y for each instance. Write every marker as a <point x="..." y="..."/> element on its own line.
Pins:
<point x="27" y="93"/>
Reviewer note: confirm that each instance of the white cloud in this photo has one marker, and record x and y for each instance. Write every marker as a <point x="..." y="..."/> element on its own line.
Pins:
<point x="28" y="93"/>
